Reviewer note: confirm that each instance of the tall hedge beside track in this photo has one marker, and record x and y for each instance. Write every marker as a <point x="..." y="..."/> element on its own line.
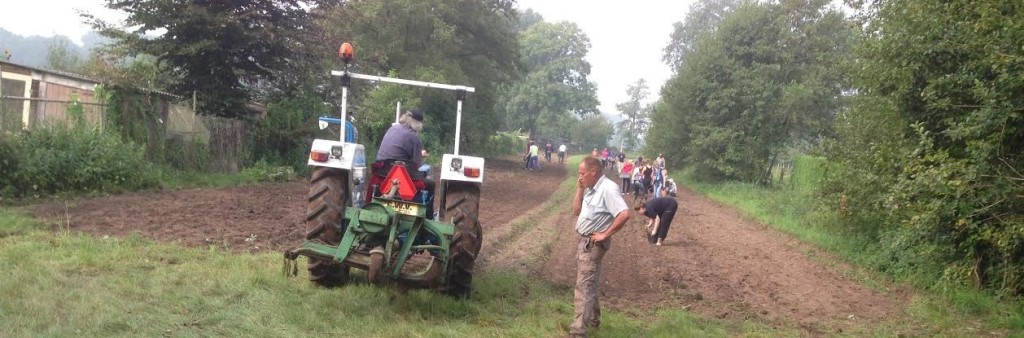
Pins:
<point x="928" y="158"/>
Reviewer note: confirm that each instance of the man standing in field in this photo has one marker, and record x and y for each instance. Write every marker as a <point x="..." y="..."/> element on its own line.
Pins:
<point x="600" y="212"/>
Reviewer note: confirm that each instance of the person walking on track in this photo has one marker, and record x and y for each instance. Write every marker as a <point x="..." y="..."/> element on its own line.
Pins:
<point x="561" y="153"/>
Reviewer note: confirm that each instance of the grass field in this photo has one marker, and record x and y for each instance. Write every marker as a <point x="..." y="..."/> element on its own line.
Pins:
<point x="58" y="283"/>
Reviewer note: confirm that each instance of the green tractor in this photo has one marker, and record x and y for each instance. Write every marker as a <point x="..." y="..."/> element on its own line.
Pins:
<point x="388" y="229"/>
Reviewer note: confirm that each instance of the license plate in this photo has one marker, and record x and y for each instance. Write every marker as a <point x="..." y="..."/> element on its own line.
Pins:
<point x="410" y="209"/>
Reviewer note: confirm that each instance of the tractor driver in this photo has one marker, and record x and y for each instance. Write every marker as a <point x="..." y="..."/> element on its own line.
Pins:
<point x="402" y="143"/>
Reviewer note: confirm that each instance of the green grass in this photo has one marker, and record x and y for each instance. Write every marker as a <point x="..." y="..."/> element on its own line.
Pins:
<point x="60" y="284"/>
<point x="79" y="286"/>
<point x="12" y="223"/>
<point x="937" y="312"/>
<point x="255" y="174"/>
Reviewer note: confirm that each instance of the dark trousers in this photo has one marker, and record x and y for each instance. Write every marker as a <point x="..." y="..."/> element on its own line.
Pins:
<point x="666" y="221"/>
<point x="532" y="163"/>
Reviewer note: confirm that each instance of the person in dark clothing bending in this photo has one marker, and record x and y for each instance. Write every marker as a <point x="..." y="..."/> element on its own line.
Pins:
<point x="662" y="209"/>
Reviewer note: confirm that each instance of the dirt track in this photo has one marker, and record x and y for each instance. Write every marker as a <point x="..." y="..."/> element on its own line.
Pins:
<point x="714" y="262"/>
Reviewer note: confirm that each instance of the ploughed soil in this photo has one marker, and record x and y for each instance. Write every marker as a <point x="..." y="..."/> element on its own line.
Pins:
<point x="714" y="262"/>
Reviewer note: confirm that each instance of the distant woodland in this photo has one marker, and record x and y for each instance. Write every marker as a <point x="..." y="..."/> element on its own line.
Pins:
<point x="33" y="50"/>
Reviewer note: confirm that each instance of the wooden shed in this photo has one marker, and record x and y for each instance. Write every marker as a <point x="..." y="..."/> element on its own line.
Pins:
<point x="31" y="97"/>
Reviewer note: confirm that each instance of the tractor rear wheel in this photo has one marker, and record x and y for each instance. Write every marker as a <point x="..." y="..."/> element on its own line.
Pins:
<point x="462" y="204"/>
<point x="327" y="200"/>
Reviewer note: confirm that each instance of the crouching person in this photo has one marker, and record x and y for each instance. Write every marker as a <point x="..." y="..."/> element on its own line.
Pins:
<point x="662" y="209"/>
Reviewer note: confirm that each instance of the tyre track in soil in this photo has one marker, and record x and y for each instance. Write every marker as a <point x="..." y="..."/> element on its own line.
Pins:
<point x="714" y="263"/>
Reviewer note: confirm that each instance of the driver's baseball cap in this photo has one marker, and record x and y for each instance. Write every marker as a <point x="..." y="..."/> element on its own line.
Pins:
<point x="416" y="114"/>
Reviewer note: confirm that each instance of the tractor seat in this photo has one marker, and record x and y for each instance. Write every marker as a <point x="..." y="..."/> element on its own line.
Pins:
<point x="382" y="168"/>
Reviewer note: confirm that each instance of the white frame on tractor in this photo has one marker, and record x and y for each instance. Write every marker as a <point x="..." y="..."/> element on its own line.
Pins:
<point x="351" y="157"/>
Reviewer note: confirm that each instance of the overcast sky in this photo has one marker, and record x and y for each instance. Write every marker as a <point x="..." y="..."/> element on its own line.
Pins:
<point x="627" y="37"/>
<point x="51" y="17"/>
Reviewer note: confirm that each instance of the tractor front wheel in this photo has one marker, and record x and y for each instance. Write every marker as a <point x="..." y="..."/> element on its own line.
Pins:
<point x="327" y="200"/>
<point x="462" y="204"/>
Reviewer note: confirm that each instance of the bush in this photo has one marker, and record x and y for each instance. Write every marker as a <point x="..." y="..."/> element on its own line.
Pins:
<point x="283" y="137"/>
<point x="8" y="164"/>
<point x="264" y="172"/>
<point x="503" y="143"/>
<point x="70" y="159"/>
<point x="188" y="155"/>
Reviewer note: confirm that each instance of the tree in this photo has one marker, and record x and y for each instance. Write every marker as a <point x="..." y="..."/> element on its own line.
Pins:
<point x="556" y="82"/>
<point x="592" y="131"/>
<point x="526" y="19"/>
<point x="217" y="49"/>
<point x="62" y="56"/>
<point x="463" y="42"/>
<point x="939" y="184"/>
<point x="636" y="114"/>
<point x="769" y="75"/>
<point x="702" y="18"/>
<point x="672" y="120"/>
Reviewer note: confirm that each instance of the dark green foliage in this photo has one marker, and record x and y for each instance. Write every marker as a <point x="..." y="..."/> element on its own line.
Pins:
<point x="929" y="159"/>
<point x="62" y="56"/>
<point x="70" y="159"/>
<point x="9" y="163"/>
<point x="136" y="116"/>
<point x="504" y="143"/>
<point x="767" y="76"/>
<point x="556" y="86"/>
<point x="284" y="135"/>
<point x="465" y="42"/>
<point x="702" y="18"/>
<point x="219" y="49"/>
<point x="377" y="113"/>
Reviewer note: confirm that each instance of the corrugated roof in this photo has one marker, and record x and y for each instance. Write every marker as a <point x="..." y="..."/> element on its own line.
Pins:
<point x="85" y="78"/>
<point x="58" y="72"/>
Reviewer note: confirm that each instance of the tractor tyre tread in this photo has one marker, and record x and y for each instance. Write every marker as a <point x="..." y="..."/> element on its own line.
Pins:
<point x="327" y="200"/>
<point x="462" y="208"/>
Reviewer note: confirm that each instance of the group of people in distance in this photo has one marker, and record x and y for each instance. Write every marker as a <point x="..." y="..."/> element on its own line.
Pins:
<point x="641" y="178"/>
<point x="532" y="155"/>
<point x="608" y="157"/>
